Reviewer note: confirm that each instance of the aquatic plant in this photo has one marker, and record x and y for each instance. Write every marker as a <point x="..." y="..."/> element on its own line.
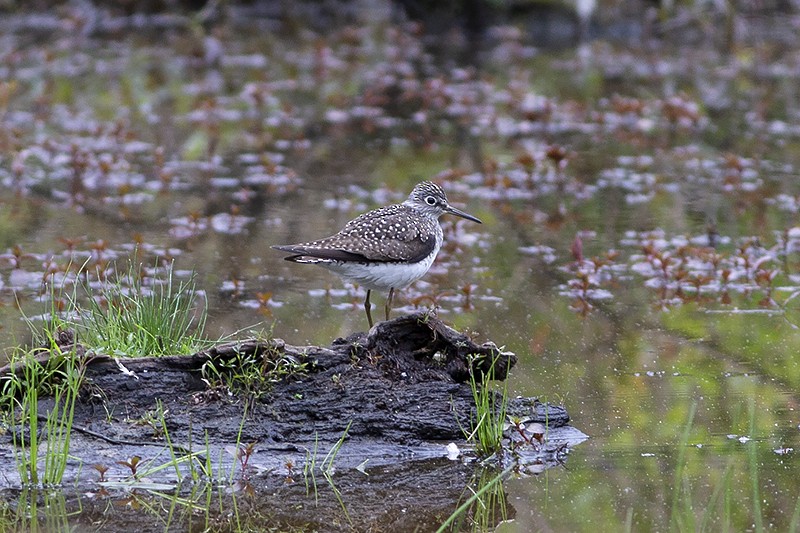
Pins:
<point x="52" y="367"/>
<point x="309" y="469"/>
<point x="485" y="507"/>
<point x="240" y="452"/>
<point x="327" y="469"/>
<point x="135" y="314"/>
<point x="61" y="376"/>
<point x="252" y="374"/>
<point x="488" y="424"/>
<point x="40" y="510"/>
<point x="132" y="464"/>
<point x="101" y="470"/>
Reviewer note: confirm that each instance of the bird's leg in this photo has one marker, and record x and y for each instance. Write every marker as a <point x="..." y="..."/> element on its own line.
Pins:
<point x="367" y="308"/>
<point x="389" y="302"/>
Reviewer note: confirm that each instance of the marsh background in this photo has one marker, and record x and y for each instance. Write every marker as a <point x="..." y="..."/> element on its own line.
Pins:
<point x="636" y="171"/>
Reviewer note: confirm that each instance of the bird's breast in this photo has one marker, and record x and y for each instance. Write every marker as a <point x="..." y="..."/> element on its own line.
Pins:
<point x="383" y="275"/>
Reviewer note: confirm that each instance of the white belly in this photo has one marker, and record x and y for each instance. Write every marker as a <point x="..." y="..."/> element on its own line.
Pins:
<point x="382" y="276"/>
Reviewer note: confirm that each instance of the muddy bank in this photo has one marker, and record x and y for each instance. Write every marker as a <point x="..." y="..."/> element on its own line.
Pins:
<point x="400" y="390"/>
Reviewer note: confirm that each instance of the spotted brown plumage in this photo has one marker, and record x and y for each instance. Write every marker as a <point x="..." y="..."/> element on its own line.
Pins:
<point x="391" y="233"/>
<point x="387" y="248"/>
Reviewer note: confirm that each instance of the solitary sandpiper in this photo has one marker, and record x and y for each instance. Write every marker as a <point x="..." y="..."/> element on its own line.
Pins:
<point x="387" y="248"/>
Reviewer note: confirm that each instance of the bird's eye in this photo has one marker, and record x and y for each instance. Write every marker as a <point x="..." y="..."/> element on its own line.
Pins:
<point x="430" y="200"/>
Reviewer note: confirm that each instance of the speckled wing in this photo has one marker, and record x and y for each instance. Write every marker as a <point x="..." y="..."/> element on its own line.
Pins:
<point x="391" y="233"/>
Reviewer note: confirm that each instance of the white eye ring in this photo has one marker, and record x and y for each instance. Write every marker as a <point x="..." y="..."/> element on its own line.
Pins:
<point x="430" y="200"/>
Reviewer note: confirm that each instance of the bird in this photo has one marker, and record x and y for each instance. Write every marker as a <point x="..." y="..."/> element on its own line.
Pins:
<point x="388" y="248"/>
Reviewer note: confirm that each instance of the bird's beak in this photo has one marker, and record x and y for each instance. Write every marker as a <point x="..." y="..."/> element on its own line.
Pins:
<point x="457" y="212"/>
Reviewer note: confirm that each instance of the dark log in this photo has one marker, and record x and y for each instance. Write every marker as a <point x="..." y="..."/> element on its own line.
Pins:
<point x="405" y="382"/>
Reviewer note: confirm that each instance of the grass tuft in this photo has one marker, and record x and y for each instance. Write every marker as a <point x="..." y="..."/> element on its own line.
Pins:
<point x="486" y="429"/>
<point x="61" y="377"/>
<point x="133" y="314"/>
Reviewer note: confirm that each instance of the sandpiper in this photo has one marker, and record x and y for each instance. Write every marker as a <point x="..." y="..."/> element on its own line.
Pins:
<point x="385" y="249"/>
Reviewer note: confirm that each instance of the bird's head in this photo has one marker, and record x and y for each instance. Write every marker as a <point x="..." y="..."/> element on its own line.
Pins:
<point x="429" y="198"/>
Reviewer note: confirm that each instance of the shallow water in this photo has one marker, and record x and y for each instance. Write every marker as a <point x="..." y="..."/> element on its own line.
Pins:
<point x="602" y="174"/>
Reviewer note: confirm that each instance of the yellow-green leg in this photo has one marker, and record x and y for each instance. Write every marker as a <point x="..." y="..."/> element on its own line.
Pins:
<point x="389" y="302"/>
<point x="367" y="307"/>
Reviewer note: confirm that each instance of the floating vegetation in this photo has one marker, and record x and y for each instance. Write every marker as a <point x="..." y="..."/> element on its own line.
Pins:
<point x="704" y="269"/>
<point x="208" y="140"/>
